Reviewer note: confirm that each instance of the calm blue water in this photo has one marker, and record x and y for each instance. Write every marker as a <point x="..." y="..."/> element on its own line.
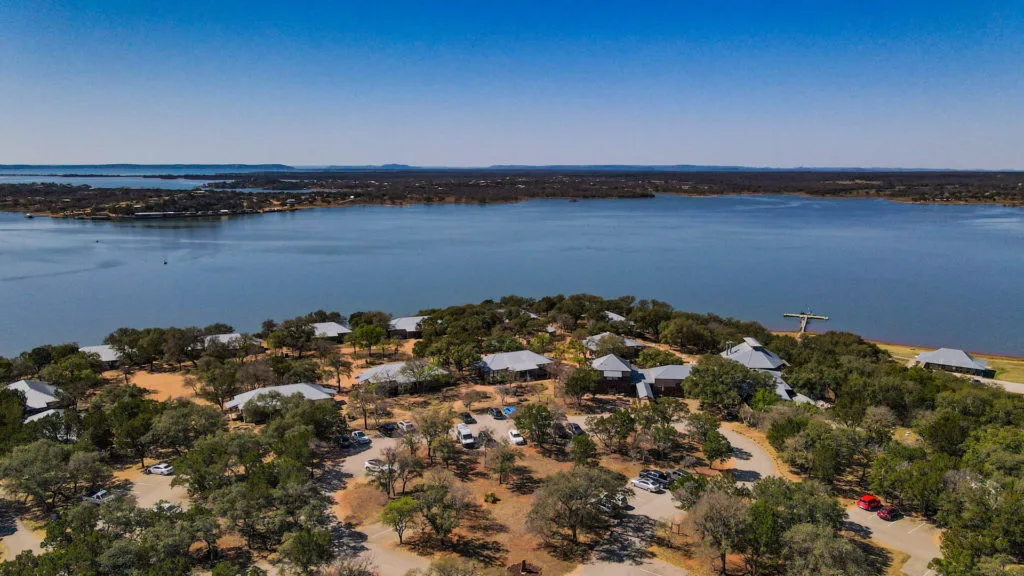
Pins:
<point x="109" y="181"/>
<point x="931" y="275"/>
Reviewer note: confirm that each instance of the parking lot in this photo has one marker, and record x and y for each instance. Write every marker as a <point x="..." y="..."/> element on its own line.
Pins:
<point x="149" y="489"/>
<point x="913" y="536"/>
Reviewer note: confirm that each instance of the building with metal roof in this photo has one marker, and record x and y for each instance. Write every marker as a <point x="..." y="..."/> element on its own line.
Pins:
<point x="312" y="392"/>
<point x="754" y="355"/>
<point x="592" y="342"/>
<point x="954" y="360"/>
<point x="613" y="367"/>
<point x="406" y="326"/>
<point x="613" y="317"/>
<point x="521" y="363"/>
<point x="330" y="330"/>
<point x="39" y="396"/>
<point x="107" y="354"/>
<point x="399" y="373"/>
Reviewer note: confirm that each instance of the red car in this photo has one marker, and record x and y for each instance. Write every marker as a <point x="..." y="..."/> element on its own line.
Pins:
<point x="889" y="513"/>
<point x="868" y="502"/>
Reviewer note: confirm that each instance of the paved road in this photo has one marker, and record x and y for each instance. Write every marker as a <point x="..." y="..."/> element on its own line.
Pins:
<point x="1014" y="387"/>
<point x="645" y="568"/>
<point x="382" y="548"/>
<point x="749" y="462"/>
<point x="20" y="540"/>
<point x="910" y="535"/>
<point x="150" y="489"/>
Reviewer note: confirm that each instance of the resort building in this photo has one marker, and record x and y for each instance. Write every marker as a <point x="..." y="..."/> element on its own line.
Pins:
<point x="521" y="365"/>
<point x="39" y="396"/>
<point x="613" y="317"/>
<point x="667" y="379"/>
<point x="308" y="391"/>
<point x="592" y="342"/>
<point x="108" y="356"/>
<point x="617" y="373"/>
<point x="399" y="373"/>
<point x="953" y="360"/>
<point x="755" y="356"/>
<point x="405" y="327"/>
<point x="330" y="331"/>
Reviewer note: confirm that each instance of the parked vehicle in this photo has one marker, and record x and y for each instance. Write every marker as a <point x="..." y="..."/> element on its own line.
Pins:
<point x="345" y="441"/>
<point x="516" y="438"/>
<point x="467" y="418"/>
<point x="561" y="432"/>
<point x="165" y="506"/>
<point x="100" y="497"/>
<point x="360" y="437"/>
<point x="465" y="436"/>
<point x="388" y="429"/>
<point x="890" y="513"/>
<point x="375" y="465"/>
<point x="611" y="504"/>
<point x="405" y="427"/>
<point x="656" y="476"/>
<point x="161" y="469"/>
<point x="575" y="429"/>
<point x="496" y="414"/>
<point x="676" y="473"/>
<point x="869" y="502"/>
<point x="646" y="484"/>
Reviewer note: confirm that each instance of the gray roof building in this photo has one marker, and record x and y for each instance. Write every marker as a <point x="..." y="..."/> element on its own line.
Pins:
<point x="669" y="372"/>
<point x="613" y="317"/>
<point x="396" y="372"/>
<point x="592" y="342"/>
<point x="38" y="395"/>
<point x="754" y="355"/>
<point x="613" y="367"/>
<point x="521" y="361"/>
<point x="43" y="414"/>
<point x="643" y="390"/>
<point x="106" y="353"/>
<point x="954" y="360"/>
<point x="308" y="391"/>
<point x="329" y="330"/>
<point x="406" y="324"/>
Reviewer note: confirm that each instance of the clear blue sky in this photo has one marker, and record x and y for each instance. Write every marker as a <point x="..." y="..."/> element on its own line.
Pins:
<point x="868" y="83"/>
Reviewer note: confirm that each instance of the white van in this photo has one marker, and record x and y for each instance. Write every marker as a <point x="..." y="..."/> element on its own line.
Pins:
<point x="465" y="436"/>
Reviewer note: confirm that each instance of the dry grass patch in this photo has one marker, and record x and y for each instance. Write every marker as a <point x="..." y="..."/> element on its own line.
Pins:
<point x="358" y="504"/>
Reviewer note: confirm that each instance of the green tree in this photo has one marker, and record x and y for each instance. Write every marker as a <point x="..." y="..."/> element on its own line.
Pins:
<point x="723" y="386"/>
<point x="443" y="503"/>
<point x="717" y="448"/>
<point x="502" y="460"/>
<point x="567" y="505"/>
<point x="700" y="424"/>
<point x="307" y="550"/>
<point x="579" y="383"/>
<point x="651" y="357"/>
<point x="50" y="474"/>
<point x="719" y="520"/>
<point x="181" y="423"/>
<point x="582" y="451"/>
<point x="811" y="551"/>
<point x="537" y="421"/>
<point x="400" y="514"/>
<point x="367" y="336"/>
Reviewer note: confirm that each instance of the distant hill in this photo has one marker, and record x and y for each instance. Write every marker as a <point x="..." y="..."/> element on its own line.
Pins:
<point x="146" y="167"/>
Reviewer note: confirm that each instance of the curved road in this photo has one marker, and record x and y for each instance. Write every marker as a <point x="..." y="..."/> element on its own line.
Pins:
<point x="749" y="462"/>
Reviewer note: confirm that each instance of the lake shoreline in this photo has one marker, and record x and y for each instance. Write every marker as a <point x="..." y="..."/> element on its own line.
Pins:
<point x="459" y="201"/>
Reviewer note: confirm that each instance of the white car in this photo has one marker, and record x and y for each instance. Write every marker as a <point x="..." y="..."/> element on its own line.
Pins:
<point x="516" y="438"/>
<point x="375" y="465"/>
<point x="165" y="506"/>
<point x="404" y="426"/>
<point x="360" y="437"/>
<point x="100" y="497"/>
<point x="645" y="484"/>
<point x="161" y="469"/>
<point x="465" y="436"/>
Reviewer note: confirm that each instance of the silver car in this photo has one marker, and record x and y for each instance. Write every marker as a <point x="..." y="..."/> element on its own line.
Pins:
<point x="645" y="484"/>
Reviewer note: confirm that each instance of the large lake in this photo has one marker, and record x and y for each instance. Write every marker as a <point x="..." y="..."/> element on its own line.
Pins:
<point x="930" y="275"/>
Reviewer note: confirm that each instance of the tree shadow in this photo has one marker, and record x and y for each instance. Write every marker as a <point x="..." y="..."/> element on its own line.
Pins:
<point x="523" y="481"/>
<point x="332" y="479"/>
<point x="9" y="512"/>
<point x="480" y="520"/>
<point x="741" y="454"/>
<point x="746" y="475"/>
<point x="878" y="558"/>
<point x="487" y="552"/>
<point x="465" y="466"/>
<point x="348" y="541"/>
<point x="628" y="541"/>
